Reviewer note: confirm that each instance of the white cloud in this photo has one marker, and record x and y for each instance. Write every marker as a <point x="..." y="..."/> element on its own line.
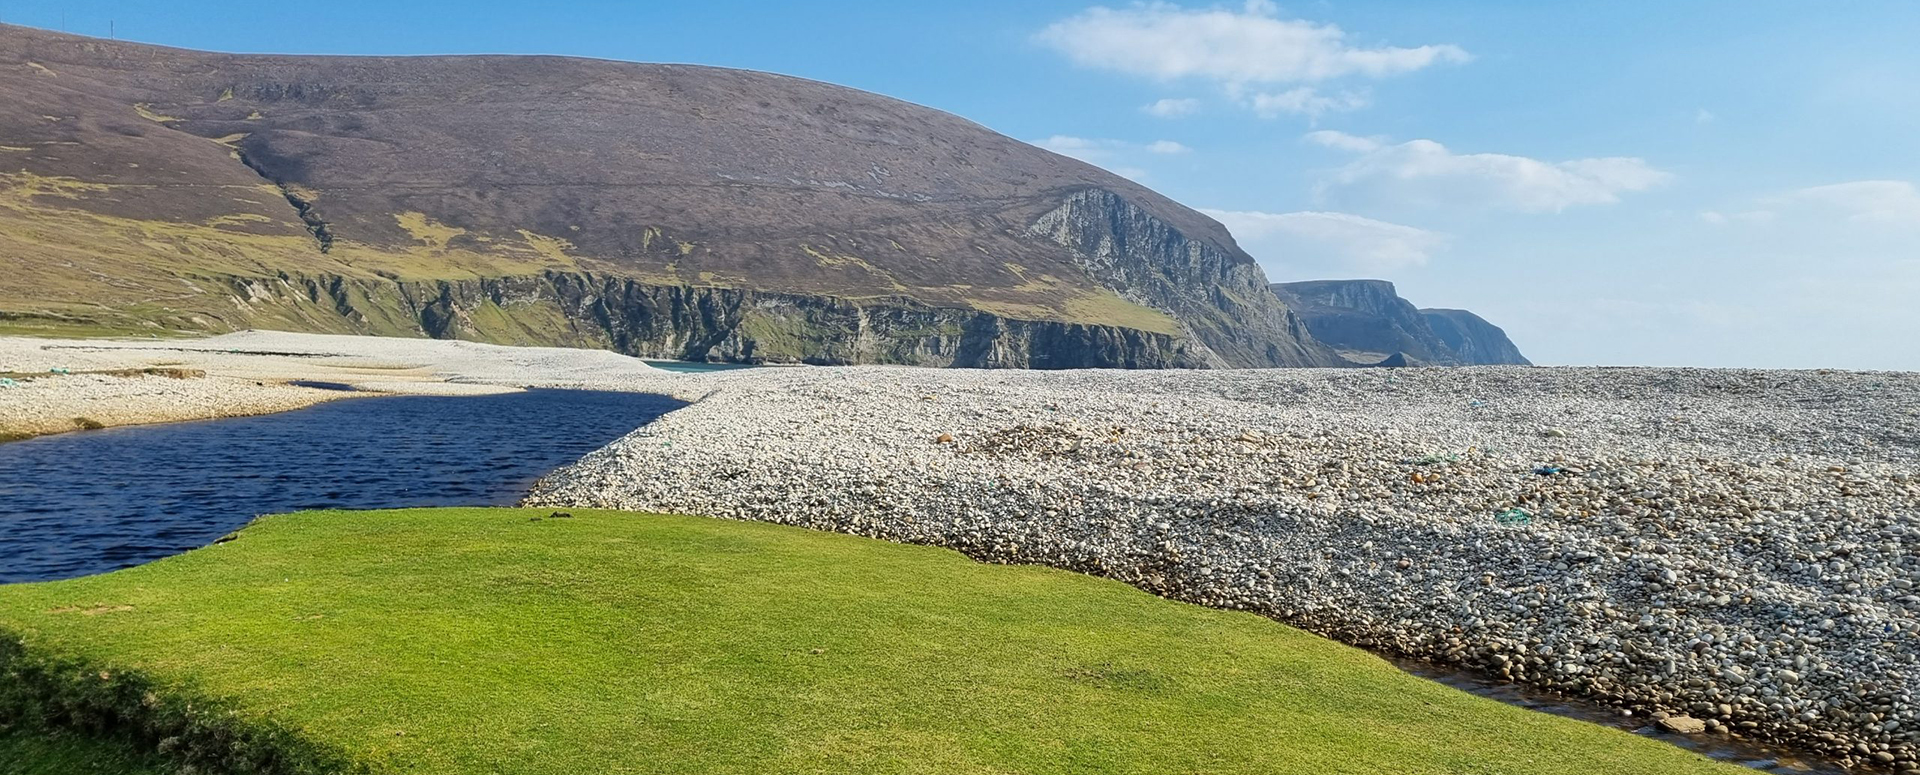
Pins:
<point x="1425" y="172"/>
<point x="1745" y="216"/>
<point x="1111" y="155"/>
<point x="1330" y="241"/>
<point x="1077" y="147"/>
<point x="1172" y="108"/>
<point x="1094" y="150"/>
<point x="1250" y="45"/>
<point x="1879" y="202"/>
<point x="1345" y="142"/>
<point x="1874" y="203"/>
<point x="1306" y="101"/>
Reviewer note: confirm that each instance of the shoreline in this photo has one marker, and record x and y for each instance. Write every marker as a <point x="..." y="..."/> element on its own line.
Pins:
<point x="1753" y="754"/>
<point x="66" y="385"/>
<point x="66" y="403"/>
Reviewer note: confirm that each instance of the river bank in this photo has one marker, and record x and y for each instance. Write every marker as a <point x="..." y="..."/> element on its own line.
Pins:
<point x="58" y="385"/>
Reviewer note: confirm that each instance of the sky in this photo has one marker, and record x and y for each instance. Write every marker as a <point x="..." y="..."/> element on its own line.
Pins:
<point x="1709" y="183"/>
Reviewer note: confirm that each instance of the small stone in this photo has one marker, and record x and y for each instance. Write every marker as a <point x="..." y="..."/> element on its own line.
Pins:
<point x="1683" y="725"/>
<point x="944" y="438"/>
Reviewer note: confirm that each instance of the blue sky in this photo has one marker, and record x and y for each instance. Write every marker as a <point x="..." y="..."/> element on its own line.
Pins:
<point x="1704" y="183"/>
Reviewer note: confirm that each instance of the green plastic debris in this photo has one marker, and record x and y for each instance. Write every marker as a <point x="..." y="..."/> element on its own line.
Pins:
<point x="60" y="370"/>
<point x="7" y="383"/>
<point x="1514" y="516"/>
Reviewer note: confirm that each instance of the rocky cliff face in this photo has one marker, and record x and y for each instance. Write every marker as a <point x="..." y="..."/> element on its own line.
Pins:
<point x="1473" y="339"/>
<point x="699" y="324"/>
<point x="1368" y="323"/>
<point x="1220" y="298"/>
<point x="670" y="209"/>
<point x="1366" y="320"/>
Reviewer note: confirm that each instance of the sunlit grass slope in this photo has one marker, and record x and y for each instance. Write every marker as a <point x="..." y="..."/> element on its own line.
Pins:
<point x="481" y="641"/>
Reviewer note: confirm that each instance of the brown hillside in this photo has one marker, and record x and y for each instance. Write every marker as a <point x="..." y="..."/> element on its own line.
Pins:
<point x="142" y="185"/>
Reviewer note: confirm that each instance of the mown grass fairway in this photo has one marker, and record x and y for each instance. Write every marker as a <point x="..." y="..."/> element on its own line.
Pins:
<point x="480" y="641"/>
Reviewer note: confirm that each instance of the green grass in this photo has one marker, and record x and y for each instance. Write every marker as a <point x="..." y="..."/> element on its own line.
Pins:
<point x="30" y="753"/>
<point x="480" y="641"/>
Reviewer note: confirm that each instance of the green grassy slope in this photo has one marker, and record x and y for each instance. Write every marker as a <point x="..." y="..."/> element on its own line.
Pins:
<point x="480" y="641"/>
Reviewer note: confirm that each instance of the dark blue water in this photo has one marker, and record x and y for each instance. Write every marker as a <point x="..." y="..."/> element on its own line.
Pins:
<point x="1746" y="753"/>
<point x="695" y="367"/>
<point x="94" y="501"/>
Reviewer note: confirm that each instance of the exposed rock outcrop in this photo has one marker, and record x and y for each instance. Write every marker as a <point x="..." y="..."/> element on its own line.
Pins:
<point x="1472" y="338"/>
<point x="1366" y="320"/>
<point x="700" y="324"/>
<point x="1217" y="295"/>
<point x="1368" y="323"/>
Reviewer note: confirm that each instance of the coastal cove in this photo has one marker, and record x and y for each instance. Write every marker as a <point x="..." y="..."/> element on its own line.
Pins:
<point x="95" y="501"/>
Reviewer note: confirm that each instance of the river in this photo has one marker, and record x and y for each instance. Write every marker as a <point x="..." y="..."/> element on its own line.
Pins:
<point x="89" y="502"/>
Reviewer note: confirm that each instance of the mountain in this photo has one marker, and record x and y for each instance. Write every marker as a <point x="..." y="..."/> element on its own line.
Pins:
<point x="1367" y="323"/>
<point x="658" y="210"/>
<point x="1365" y="320"/>
<point x="1472" y="338"/>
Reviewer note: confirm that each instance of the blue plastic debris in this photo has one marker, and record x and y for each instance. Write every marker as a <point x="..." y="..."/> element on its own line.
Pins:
<point x="1548" y="470"/>
<point x="1514" y="516"/>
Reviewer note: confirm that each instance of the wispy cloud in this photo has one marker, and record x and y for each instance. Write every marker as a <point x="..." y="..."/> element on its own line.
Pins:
<point x="1882" y="202"/>
<point x="1112" y="155"/>
<point x="1077" y="147"/>
<point x="1246" y="51"/>
<point x="1324" y="241"/>
<point x="1426" y="173"/>
<point x="1306" y="101"/>
<point x="1171" y="107"/>
<point x="1084" y="147"/>
<point x="1250" y="45"/>
<point x="1891" y="204"/>
<point x="1345" y="142"/>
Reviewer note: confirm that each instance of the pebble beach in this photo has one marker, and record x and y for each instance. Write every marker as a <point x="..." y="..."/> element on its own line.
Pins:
<point x="1724" y="551"/>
